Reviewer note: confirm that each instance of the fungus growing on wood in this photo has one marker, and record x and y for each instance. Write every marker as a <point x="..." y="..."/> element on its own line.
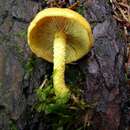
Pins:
<point x="60" y="35"/>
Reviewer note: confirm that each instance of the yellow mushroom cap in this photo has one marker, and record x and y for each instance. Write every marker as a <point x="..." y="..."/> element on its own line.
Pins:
<point x="47" y="23"/>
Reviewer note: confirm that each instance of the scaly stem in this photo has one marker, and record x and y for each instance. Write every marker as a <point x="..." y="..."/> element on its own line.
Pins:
<point x="61" y="90"/>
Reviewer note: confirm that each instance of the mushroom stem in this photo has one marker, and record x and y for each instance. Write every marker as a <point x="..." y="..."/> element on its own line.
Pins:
<point x="61" y="91"/>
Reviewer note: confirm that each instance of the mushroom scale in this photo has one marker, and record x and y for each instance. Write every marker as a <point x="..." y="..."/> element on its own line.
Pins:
<point x="60" y="36"/>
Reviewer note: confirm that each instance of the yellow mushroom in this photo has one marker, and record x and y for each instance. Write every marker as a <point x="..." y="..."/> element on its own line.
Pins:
<point x="60" y="35"/>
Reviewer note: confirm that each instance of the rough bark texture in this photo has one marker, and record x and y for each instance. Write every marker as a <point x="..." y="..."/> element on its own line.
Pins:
<point x="103" y="68"/>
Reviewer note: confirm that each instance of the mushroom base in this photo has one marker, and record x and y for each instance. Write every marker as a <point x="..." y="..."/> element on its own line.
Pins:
<point x="61" y="91"/>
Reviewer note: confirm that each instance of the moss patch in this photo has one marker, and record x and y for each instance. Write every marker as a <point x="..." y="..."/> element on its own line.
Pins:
<point x="63" y="116"/>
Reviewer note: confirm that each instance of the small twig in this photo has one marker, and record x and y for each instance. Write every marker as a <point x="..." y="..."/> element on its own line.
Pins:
<point x="122" y="13"/>
<point x="43" y="83"/>
<point x="129" y="14"/>
<point x="117" y="18"/>
<point x="124" y="5"/>
<point x="74" y="6"/>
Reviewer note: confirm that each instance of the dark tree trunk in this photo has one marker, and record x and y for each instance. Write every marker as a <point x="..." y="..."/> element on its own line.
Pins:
<point x="104" y="80"/>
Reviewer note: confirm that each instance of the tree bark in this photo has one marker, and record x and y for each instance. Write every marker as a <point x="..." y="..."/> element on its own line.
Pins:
<point x="103" y="68"/>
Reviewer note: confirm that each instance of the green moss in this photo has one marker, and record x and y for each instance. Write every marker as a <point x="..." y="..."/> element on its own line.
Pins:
<point x="63" y="116"/>
<point x="22" y="34"/>
<point x="13" y="125"/>
<point x="29" y="66"/>
<point x="45" y="97"/>
<point x="120" y="34"/>
<point x="45" y="94"/>
<point x="18" y="49"/>
<point x="94" y="23"/>
<point x="80" y="10"/>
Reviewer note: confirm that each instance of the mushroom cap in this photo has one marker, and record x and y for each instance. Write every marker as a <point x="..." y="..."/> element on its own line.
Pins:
<point x="42" y="30"/>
